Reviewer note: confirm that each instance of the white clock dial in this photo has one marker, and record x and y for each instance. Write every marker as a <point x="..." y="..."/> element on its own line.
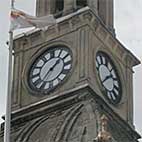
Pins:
<point x="50" y="69"/>
<point x="109" y="77"/>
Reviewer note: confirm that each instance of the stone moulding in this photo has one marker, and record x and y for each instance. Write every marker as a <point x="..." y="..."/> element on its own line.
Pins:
<point x="68" y="24"/>
<point x="76" y="98"/>
<point x="64" y="101"/>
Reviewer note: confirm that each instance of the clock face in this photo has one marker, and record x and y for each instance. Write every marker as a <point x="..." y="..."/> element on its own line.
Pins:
<point x="50" y="69"/>
<point x="109" y="78"/>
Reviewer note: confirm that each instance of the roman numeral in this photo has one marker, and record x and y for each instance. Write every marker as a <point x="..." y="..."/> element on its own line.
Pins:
<point x="37" y="82"/>
<point x="55" y="82"/>
<point x="65" y="71"/>
<point x="111" y="70"/>
<point x="61" y="76"/>
<point x="116" y="83"/>
<point x="47" y="56"/>
<point x="59" y="80"/>
<point x="106" y="63"/>
<point x="51" y="84"/>
<point x="39" y="85"/>
<point x="97" y="65"/>
<point x="114" y="95"/>
<point x="40" y="63"/>
<point x="37" y="67"/>
<point x="98" y="59"/>
<point x="104" y="60"/>
<point x="65" y="56"/>
<point x="101" y="59"/>
<point x="36" y="75"/>
<point x="46" y="86"/>
<point x="67" y="63"/>
<point x="57" y="53"/>
<point x="43" y="85"/>
<point x="52" y="54"/>
<point x="44" y="59"/>
<point x="109" y="66"/>
<point x="115" y="79"/>
<point x="116" y="87"/>
<point x="110" y="96"/>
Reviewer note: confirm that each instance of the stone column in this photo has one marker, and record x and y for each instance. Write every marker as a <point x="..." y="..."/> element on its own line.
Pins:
<point x="69" y="6"/>
<point x="110" y="14"/>
<point x="93" y="4"/>
<point x="102" y="10"/>
<point x="106" y="12"/>
<point x="45" y="7"/>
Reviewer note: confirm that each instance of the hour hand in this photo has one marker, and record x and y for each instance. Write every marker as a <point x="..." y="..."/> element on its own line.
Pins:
<point x="57" y="62"/>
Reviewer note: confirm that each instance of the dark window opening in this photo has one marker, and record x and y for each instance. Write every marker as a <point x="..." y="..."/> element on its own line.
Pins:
<point x="59" y="6"/>
<point x="81" y="3"/>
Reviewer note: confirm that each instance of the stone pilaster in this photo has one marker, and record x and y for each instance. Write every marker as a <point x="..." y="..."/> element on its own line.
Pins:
<point x="45" y="7"/>
<point x="93" y="4"/>
<point x="69" y="6"/>
<point x="106" y="12"/>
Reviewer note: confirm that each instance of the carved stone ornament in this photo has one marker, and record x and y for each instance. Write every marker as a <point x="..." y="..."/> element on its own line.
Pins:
<point x="104" y="135"/>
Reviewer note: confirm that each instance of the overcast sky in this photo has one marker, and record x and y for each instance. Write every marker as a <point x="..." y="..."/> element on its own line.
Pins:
<point x="128" y="25"/>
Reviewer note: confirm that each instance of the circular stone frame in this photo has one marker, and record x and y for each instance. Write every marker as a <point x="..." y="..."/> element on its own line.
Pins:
<point x="103" y="89"/>
<point x="31" y="63"/>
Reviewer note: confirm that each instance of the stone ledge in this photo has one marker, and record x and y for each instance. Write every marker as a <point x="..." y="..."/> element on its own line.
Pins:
<point x="68" y="24"/>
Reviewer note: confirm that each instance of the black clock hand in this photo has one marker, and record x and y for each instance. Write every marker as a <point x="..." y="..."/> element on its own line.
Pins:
<point x="51" y="69"/>
<point x="57" y="62"/>
<point x="107" y="77"/>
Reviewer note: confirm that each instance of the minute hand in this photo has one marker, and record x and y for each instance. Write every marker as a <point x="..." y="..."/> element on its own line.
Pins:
<point x="107" y="77"/>
<point x="57" y="62"/>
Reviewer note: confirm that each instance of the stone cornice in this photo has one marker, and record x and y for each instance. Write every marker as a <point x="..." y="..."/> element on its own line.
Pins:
<point x="65" y="100"/>
<point x="70" y="23"/>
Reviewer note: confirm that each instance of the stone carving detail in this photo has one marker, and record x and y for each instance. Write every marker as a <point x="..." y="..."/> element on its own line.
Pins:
<point x="104" y="135"/>
<point x="77" y="124"/>
<point x="96" y="23"/>
<point x="28" y="129"/>
<point x="68" y="124"/>
<point x="88" y="16"/>
<point x="75" y="20"/>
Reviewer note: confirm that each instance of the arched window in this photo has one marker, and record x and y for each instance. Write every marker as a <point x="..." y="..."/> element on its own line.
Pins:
<point x="59" y="6"/>
<point x="81" y="3"/>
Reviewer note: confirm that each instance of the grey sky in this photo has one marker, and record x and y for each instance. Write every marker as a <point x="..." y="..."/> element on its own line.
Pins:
<point x="128" y="25"/>
<point x="128" y="21"/>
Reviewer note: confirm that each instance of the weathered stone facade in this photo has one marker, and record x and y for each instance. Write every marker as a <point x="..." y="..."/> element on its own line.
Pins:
<point x="71" y="112"/>
<point x="70" y="117"/>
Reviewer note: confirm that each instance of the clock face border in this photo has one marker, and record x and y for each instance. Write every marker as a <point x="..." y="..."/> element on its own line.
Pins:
<point x="103" y="88"/>
<point x="34" y="59"/>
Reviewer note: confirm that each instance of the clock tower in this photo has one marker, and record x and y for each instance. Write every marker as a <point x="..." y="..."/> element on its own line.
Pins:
<point x="73" y="82"/>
